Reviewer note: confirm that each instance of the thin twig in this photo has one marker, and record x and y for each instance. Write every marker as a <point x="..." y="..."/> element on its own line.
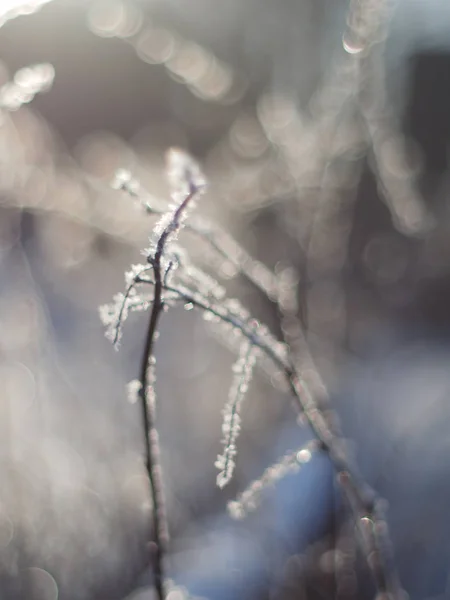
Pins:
<point x="216" y="237"/>
<point x="359" y="496"/>
<point x="148" y="409"/>
<point x="151" y="439"/>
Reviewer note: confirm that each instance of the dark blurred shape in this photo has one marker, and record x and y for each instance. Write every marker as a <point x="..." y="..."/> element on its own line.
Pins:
<point x="427" y="116"/>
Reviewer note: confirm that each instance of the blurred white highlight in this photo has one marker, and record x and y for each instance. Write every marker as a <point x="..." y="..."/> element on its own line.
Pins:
<point x="10" y="9"/>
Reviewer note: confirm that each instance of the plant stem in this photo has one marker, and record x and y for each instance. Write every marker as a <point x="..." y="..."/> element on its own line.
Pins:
<point x="151" y="442"/>
<point x="152" y="452"/>
<point x="360" y="498"/>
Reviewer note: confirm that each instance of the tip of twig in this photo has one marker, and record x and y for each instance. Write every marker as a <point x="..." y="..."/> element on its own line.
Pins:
<point x="184" y="173"/>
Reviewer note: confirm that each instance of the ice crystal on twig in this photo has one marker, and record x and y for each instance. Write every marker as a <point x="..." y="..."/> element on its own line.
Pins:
<point x="133" y="389"/>
<point x="169" y="279"/>
<point x="184" y="174"/>
<point x="292" y="462"/>
<point x="151" y="380"/>
<point x="225" y="255"/>
<point x="114" y="314"/>
<point x="231" y="426"/>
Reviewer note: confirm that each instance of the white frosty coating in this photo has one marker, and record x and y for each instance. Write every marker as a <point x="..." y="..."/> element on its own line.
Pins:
<point x="231" y="426"/>
<point x="249" y="500"/>
<point x="124" y="180"/>
<point x="231" y="321"/>
<point x="187" y="183"/>
<point x="115" y="313"/>
<point x="151" y="380"/>
<point x="197" y="280"/>
<point x="227" y="256"/>
<point x="184" y="174"/>
<point x="185" y="283"/>
<point x="136" y="271"/>
<point x="133" y="389"/>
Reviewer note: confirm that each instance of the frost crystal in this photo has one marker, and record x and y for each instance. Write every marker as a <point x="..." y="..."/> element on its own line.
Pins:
<point x="151" y="380"/>
<point x="225" y="255"/>
<point x="248" y="500"/>
<point x="184" y="174"/>
<point x="114" y="314"/>
<point x="133" y="389"/>
<point x="124" y="180"/>
<point x="231" y="426"/>
<point x="187" y="183"/>
<point x="183" y="283"/>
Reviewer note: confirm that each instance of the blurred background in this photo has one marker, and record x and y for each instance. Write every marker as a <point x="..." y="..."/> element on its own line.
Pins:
<point x="325" y="141"/>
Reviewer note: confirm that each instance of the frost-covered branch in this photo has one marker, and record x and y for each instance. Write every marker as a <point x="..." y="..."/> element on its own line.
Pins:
<point x="187" y="183"/>
<point x="172" y="280"/>
<point x="248" y="500"/>
<point x="231" y="426"/>
<point x="113" y="315"/>
<point x="235" y="260"/>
